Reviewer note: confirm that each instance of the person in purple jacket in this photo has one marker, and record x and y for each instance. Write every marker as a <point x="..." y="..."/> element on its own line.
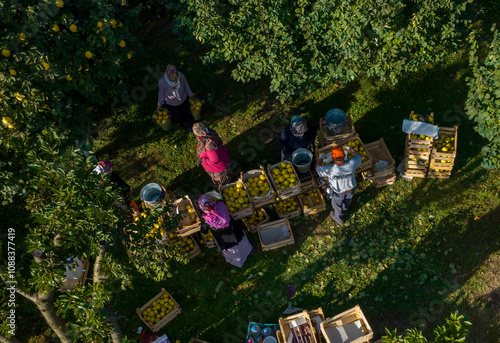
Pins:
<point x="299" y="134"/>
<point x="173" y="93"/>
<point x="212" y="154"/>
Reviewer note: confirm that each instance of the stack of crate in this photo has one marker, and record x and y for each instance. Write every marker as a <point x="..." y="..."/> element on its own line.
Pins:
<point x="418" y="149"/>
<point x="443" y="153"/>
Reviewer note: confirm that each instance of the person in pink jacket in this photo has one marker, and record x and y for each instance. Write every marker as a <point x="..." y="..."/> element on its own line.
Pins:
<point x="173" y="93"/>
<point x="212" y="154"/>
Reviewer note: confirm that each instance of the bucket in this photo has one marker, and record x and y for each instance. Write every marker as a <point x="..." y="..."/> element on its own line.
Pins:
<point x="301" y="159"/>
<point x="196" y="114"/>
<point x="164" y="126"/>
<point x="335" y="121"/>
<point x="152" y="194"/>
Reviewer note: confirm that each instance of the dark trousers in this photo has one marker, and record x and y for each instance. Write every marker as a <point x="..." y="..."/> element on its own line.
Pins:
<point x="181" y="114"/>
<point x="340" y="202"/>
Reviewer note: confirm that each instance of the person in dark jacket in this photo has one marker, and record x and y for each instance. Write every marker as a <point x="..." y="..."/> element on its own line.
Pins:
<point x="117" y="182"/>
<point x="299" y="134"/>
<point x="228" y="233"/>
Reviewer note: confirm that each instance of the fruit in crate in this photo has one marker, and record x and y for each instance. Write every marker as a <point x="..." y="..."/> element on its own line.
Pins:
<point x="207" y="237"/>
<point x="235" y="197"/>
<point x="287" y="206"/>
<point x="424" y="119"/>
<point x="258" y="186"/>
<point x="186" y="243"/>
<point x="161" y="116"/>
<point x="158" y="309"/>
<point x="311" y="199"/>
<point x="445" y="143"/>
<point x="284" y="176"/>
<point x="256" y="218"/>
<point x="194" y="104"/>
<point x="420" y="137"/>
<point x="358" y="146"/>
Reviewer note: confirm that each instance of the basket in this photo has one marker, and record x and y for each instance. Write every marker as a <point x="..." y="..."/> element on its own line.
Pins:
<point x="272" y="237"/>
<point x="326" y="138"/>
<point x="253" y="228"/>
<point x="309" y="206"/>
<point x="355" y="327"/>
<point x="301" y="317"/>
<point x="441" y="162"/>
<point x="164" y="126"/>
<point x="242" y="212"/>
<point x="292" y="214"/>
<point x="163" y="321"/>
<point x="259" y="202"/>
<point x="189" y="223"/>
<point x="196" y="113"/>
<point x="289" y="192"/>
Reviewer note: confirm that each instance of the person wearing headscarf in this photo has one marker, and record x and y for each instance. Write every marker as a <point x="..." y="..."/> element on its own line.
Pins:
<point x="212" y="154"/>
<point x="173" y="94"/>
<point x="228" y="233"/>
<point x="299" y="134"/>
<point x="117" y="183"/>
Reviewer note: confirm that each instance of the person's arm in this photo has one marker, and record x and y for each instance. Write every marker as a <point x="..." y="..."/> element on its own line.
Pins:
<point x="161" y="93"/>
<point x="312" y="136"/>
<point x="186" y="86"/>
<point x="319" y="164"/>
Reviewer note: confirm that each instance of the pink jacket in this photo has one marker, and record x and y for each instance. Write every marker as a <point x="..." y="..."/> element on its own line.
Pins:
<point x="215" y="160"/>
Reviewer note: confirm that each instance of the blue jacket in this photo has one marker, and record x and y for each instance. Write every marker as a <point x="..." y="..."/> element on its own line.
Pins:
<point x="289" y="143"/>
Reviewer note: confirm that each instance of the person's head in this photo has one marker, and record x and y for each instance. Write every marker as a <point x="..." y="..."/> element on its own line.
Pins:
<point x="200" y="129"/>
<point x="104" y="167"/>
<point x="206" y="204"/>
<point x="338" y="155"/>
<point x="171" y="73"/>
<point x="298" y="126"/>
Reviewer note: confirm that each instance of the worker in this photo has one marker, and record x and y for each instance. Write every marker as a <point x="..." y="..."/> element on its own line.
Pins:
<point x="342" y="180"/>
<point x="299" y="134"/>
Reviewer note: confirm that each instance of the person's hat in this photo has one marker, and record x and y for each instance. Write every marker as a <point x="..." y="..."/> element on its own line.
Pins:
<point x="338" y="153"/>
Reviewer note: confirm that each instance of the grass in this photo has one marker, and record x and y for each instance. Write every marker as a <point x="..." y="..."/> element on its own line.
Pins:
<point x="410" y="254"/>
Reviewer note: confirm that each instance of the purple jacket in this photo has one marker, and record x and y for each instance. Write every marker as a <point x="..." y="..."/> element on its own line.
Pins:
<point x="166" y="95"/>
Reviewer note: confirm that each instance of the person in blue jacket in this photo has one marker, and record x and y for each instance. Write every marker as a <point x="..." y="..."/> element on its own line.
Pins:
<point x="299" y="134"/>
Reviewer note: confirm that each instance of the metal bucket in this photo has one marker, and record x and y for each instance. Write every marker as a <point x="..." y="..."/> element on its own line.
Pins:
<point x="335" y="121"/>
<point x="301" y="159"/>
<point x="152" y="194"/>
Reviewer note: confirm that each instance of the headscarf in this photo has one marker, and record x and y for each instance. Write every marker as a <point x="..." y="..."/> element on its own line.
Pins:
<point x="104" y="167"/>
<point x="215" y="214"/>
<point x="170" y="73"/>
<point x="207" y="138"/>
<point x="298" y="126"/>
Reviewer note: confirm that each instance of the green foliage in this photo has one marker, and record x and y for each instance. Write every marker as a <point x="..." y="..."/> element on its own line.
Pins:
<point x="298" y="44"/>
<point x="483" y="102"/>
<point x="454" y="331"/>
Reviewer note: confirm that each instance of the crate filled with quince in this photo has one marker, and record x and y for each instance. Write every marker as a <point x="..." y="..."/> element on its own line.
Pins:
<point x="284" y="179"/>
<point x="237" y="199"/>
<point x="160" y="310"/>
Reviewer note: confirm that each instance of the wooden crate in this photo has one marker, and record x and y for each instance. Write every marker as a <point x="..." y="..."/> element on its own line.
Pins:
<point x="307" y="181"/>
<point x="208" y="240"/>
<point x="242" y="212"/>
<point x="70" y="284"/>
<point x="384" y="181"/>
<point x="285" y="325"/>
<point x="292" y="214"/>
<point x="441" y="162"/>
<point x="308" y="206"/>
<point x="266" y="246"/>
<point x="253" y="228"/>
<point x="317" y="317"/>
<point x="327" y="150"/>
<point x="417" y="155"/>
<point x="429" y="119"/>
<point x="325" y="137"/>
<point x="191" y="254"/>
<point x="379" y="151"/>
<point x="189" y="223"/>
<point x="284" y="193"/>
<point x="268" y="199"/>
<point x="349" y="317"/>
<point x="167" y="318"/>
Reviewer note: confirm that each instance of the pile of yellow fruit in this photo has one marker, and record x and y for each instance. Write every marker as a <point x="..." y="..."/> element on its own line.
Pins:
<point x="358" y="146"/>
<point x="188" y="215"/>
<point x="445" y="143"/>
<point x="284" y="176"/>
<point x="311" y="199"/>
<point x="207" y="237"/>
<point x="416" y="117"/>
<point x="187" y="243"/>
<point x="420" y="137"/>
<point x="194" y="104"/>
<point x="258" y="186"/>
<point x="158" y="309"/>
<point x="287" y="206"/>
<point x="157" y="228"/>
<point x="161" y="116"/>
<point x="256" y="218"/>
<point x="235" y="197"/>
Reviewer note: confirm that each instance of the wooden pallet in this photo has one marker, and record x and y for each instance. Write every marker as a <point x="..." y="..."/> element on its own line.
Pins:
<point x="325" y="137"/>
<point x="284" y="193"/>
<point x="292" y="214"/>
<point x="253" y="228"/>
<point x="242" y="212"/>
<point x="266" y="246"/>
<point x="308" y="206"/>
<point x="265" y="200"/>
<point x="167" y="318"/>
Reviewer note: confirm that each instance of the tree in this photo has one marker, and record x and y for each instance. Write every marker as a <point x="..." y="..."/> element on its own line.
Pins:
<point x="299" y="44"/>
<point x="76" y="216"/>
<point x="483" y="101"/>
<point x="454" y="331"/>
